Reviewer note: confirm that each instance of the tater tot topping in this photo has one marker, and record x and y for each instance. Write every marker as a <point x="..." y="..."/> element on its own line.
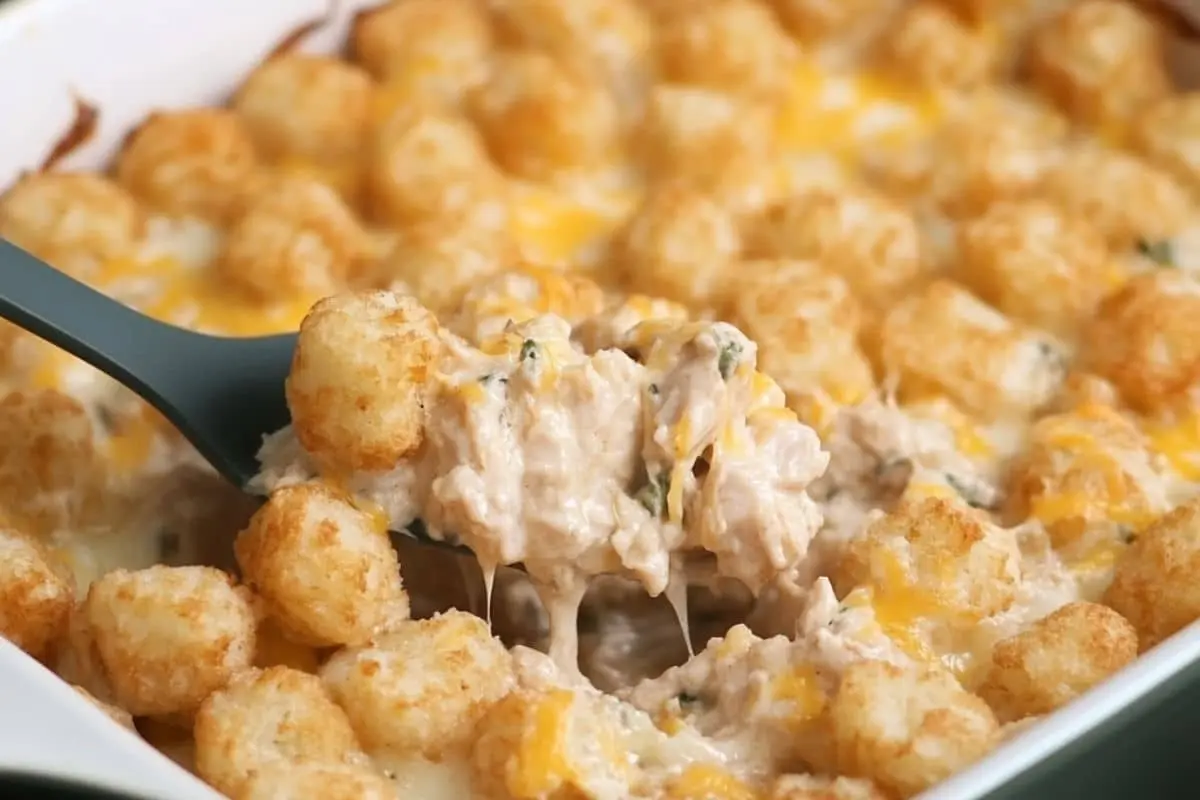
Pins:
<point x="802" y="397"/>
<point x="167" y="637"/>
<point x="326" y="568"/>
<point x="355" y="390"/>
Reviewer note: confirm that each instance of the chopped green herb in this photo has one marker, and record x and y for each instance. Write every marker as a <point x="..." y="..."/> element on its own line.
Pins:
<point x="1159" y="251"/>
<point x="967" y="492"/>
<point x="728" y="359"/>
<point x="492" y="377"/>
<point x="654" y="494"/>
<point x="687" y="699"/>
<point x="654" y="389"/>
<point x="1127" y="534"/>
<point x="529" y="349"/>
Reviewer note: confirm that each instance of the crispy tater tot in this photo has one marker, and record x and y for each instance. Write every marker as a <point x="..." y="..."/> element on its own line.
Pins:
<point x="617" y="36"/>
<point x="430" y="163"/>
<point x="805" y="321"/>
<point x="36" y="596"/>
<point x="678" y="245"/>
<point x="422" y="687"/>
<point x="1167" y="133"/>
<point x="296" y="238"/>
<point x="441" y="45"/>
<point x="1101" y="61"/>
<point x="169" y="636"/>
<point x="1155" y="584"/>
<point x="1059" y="658"/>
<point x="1145" y="338"/>
<point x="1125" y="198"/>
<point x="943" y="340"/>
<point x="326" y="569"/>
<point x="1088" y="477"/>
<point x="961" y="565"/>
<point x="356" y="385"/>
<point x="692" y="129"/>
<point x="543" y="116"/>
<point x="932" y="47"/>
<point x="509" y="760"/>
<point x="818" y="22"/>
<point x="197" y="163"/>
<point x="994" y="145"/>
<point x="439" y="259"/>
<point x="1045" y="267"/>
<point x="306" y="780"/>
<point x="518" y="295"/>
<point x="265" y="717"/>
<point x="733" y="45"/>
<point x="74" y="220"/>
<point x="867" y="238"/>
<point x="308" y="107"/>
<point x="907" y="729"/>
<point x="820" y="787"/>
<point x="50" y="474"/>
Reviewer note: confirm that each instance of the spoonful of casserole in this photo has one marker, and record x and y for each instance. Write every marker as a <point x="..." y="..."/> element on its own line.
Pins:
<point x="571" y="452"/>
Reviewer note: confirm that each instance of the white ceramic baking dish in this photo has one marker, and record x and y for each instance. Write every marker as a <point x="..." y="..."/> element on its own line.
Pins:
<point x="129" y="57"/>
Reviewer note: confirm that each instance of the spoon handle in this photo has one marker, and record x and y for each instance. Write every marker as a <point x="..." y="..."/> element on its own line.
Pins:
<point x="110" y="336"/>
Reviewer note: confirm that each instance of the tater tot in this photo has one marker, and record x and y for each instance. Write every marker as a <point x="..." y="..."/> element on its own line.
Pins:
<point x="277" y="716"/>
<point x="805" y="321"/>
<point x="1145" y="338"/>
<point x="306" y="107"/>
<point x="870" y="240"/>
<point x="50" y="474"/>
<point x="1155" y="585"/>
<point x="542" y="116"/>
<point x="943" y="340"/>
<point x="73" y="220"/>
<point x="296" y="238"/>
<point x="1059" y="658"/>
<point x="442" y="46"/>
<point x="430" y="163"/>
<point x="932" y="47"/>
<point x="356" y="385"/>
<point x="509" y="760"/>
<point x="964" y="567"/>
<point x="907" y="729"/>
<point x="1124" y="197"/>
<point x="1037" y="264"/>
<point x="734" y="45"/>
<point x="518" y="295"/>
<point x="817" y="22"/>
<point x="617" y="36"/>
<point x="36" y="596"/>
<point x="422" y="687"/>
<point x="690" y="129"/>
<point x="678" y="245"/>
<point x="1101" y="61"/>
<point x="169" y="636"/>
<point x="196" y="163"/>
<point x="1168" y="133"/>
<point x="1086" y="471"/>
<point x="285" y="780"/>
<point x="326" y="569"/>
<point x="994" y="146"/>
<point x="820" y="787"/>
<point x="438" y="260"/>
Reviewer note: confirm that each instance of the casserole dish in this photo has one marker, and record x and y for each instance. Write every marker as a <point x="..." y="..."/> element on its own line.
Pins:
<point x="128" y="57"/>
